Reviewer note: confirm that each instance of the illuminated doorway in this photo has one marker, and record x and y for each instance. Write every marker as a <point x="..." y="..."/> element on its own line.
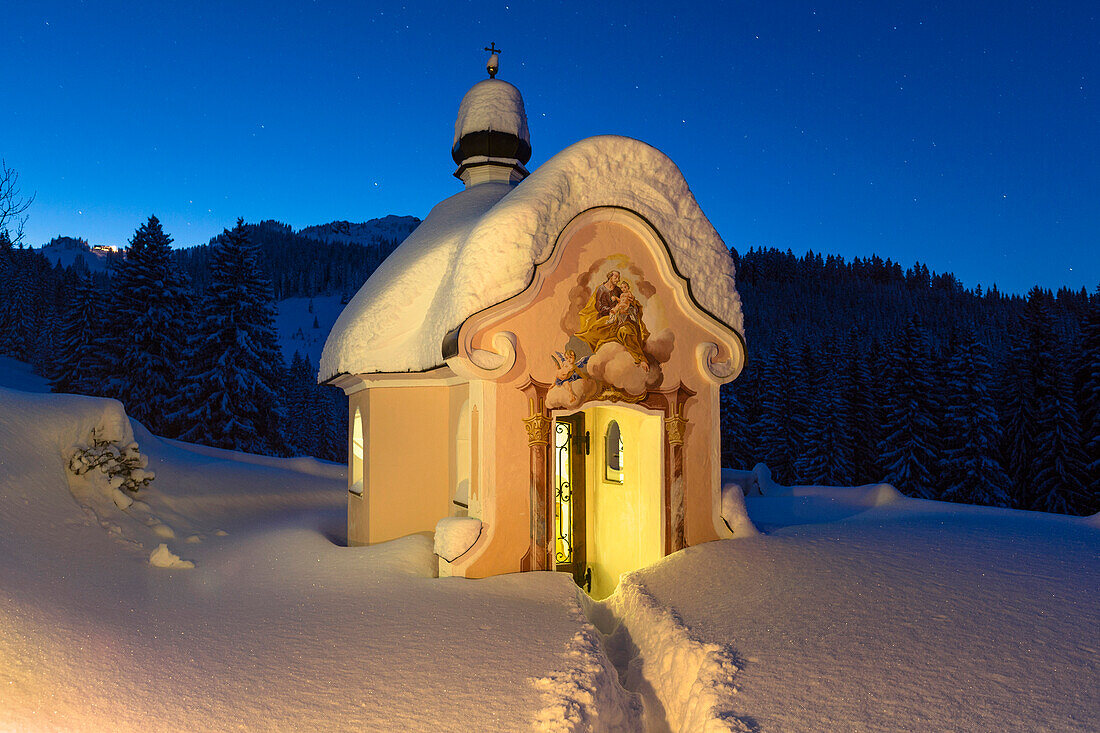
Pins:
<point x="608" y="513"/>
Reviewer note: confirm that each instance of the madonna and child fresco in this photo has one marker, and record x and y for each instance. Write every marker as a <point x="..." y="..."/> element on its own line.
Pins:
<point x="609" y="353"/>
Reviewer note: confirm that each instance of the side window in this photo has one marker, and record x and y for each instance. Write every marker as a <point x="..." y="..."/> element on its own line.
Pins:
<point x="357" y="453"/>
<point x="613" y="453"/>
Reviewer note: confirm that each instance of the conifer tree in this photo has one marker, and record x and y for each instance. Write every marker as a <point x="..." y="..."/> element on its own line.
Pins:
<point x="152" y="315"/>
<point x="826" y="458"/>
<point x="874" y="468"/>
<point x="1089" y="398"/>
<point x="972" y="471"/>
<point x="859" y="401"/>
<point x="17" y="318"/>
<point x="1059" y="471"/>
<point x="736" y="447"/>
<point x="907" y="447"/>
<point x="7" y="276"/>
<point x="232" y="396"/>
<point x="300" y="408"/>
<point x="781" y="425"/>
<point x="76" y="359"/>
<point x="1043" y="433"/>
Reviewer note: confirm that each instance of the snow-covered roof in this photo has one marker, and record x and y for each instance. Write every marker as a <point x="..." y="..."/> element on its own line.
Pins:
<point x="480" y="247"/>
<point x="495" y="105"/>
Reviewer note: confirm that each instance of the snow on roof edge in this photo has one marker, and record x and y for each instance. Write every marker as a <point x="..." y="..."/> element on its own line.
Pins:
<point x="487" y="255"/>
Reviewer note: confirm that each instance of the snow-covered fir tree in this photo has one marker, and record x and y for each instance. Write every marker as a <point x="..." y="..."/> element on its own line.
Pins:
<point x="151" y="315"/>
<point x="857" y="389"/>
<point x="7" y="274"/>
<point x="736" y="442"/>
<point x="1042" y="429"/>
<point x="17" y="318"/>
<point x="908" y="445"/>
<point x="971" y="470"/>
<point x="76" y="358"/>
<point x="1088" y="400"/>
<point x="1060" y="465"/>
<point x="299" y="406"/>
<point x="826" y="459"/>
<point x="781" y="426"/>
<point x="1019" y="410"/>
<point x="231" y="398"/>
<point x="316" y="416"/>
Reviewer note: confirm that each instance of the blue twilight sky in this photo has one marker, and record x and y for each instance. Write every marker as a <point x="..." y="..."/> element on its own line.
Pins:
<point x="964" y="135"/>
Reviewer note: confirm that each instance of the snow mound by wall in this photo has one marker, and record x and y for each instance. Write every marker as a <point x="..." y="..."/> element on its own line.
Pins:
<point x="689" y="684"/>
<point x="870" y="495"/>
<point x="759" y="482"/>
<point x="455" y="535"/>
<point x="734" y="512"/>
<point x="495" y="105"/>
<point x="481" y="246"/>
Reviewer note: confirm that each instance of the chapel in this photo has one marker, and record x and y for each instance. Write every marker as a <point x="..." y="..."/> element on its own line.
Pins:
<point x="533" y="374"/>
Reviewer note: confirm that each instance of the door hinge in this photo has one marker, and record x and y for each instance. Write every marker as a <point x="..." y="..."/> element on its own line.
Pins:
<point x="588" y="580"/>
<point x="587" y="442"/>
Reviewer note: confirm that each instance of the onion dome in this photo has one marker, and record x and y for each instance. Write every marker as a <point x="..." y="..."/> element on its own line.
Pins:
<point x="491" y="141"/>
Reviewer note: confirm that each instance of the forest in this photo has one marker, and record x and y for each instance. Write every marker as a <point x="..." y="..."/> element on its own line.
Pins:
<point x="860" y="372"/>
<point x="857" y="372"/>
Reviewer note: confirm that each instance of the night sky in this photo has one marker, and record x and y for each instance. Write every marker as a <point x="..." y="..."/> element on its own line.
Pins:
<point x="963" y="135"/>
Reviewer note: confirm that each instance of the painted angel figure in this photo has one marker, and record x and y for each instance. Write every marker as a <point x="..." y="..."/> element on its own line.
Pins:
<point x="569" y="367"/>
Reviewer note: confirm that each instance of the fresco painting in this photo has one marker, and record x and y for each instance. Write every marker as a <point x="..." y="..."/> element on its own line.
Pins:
<point x="610" y="351"/>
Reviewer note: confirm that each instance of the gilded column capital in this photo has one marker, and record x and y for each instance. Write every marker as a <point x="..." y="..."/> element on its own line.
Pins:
<point x="675" y="427"/>
<point x="538" y="429"/>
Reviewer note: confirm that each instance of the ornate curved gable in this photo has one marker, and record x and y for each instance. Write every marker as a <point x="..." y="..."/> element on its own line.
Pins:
<point x="607" y="316"/>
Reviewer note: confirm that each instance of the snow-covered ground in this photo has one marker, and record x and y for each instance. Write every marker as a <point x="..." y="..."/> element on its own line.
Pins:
<point x="855" y="610"/>
<point x="295" y="325"/>
<point x="276" y="627"/>
<point x="19" y="375"/>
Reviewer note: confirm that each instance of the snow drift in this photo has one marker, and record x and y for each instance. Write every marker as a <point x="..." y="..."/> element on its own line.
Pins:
<point x="105" y="624"/>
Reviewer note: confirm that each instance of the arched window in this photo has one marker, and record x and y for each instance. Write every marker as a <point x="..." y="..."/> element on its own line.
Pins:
<point x="357" y="453"/>
<point x="613" y="453"/>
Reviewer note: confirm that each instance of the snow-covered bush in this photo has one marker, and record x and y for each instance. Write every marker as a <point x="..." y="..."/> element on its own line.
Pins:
<point x="125" y="467"/>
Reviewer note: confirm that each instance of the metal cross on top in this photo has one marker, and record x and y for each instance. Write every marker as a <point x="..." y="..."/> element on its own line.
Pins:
<point x="493" y="64"/>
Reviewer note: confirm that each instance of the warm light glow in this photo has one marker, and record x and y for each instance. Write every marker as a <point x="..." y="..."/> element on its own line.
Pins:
<point x="357" y="453"/>
<point x="624" y="526"/>
<point x="563" y="513"/>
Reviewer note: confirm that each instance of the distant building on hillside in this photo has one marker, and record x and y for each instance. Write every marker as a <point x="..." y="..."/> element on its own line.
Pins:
<point x="77" y="253"/>
<point x="534" y="373"/>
